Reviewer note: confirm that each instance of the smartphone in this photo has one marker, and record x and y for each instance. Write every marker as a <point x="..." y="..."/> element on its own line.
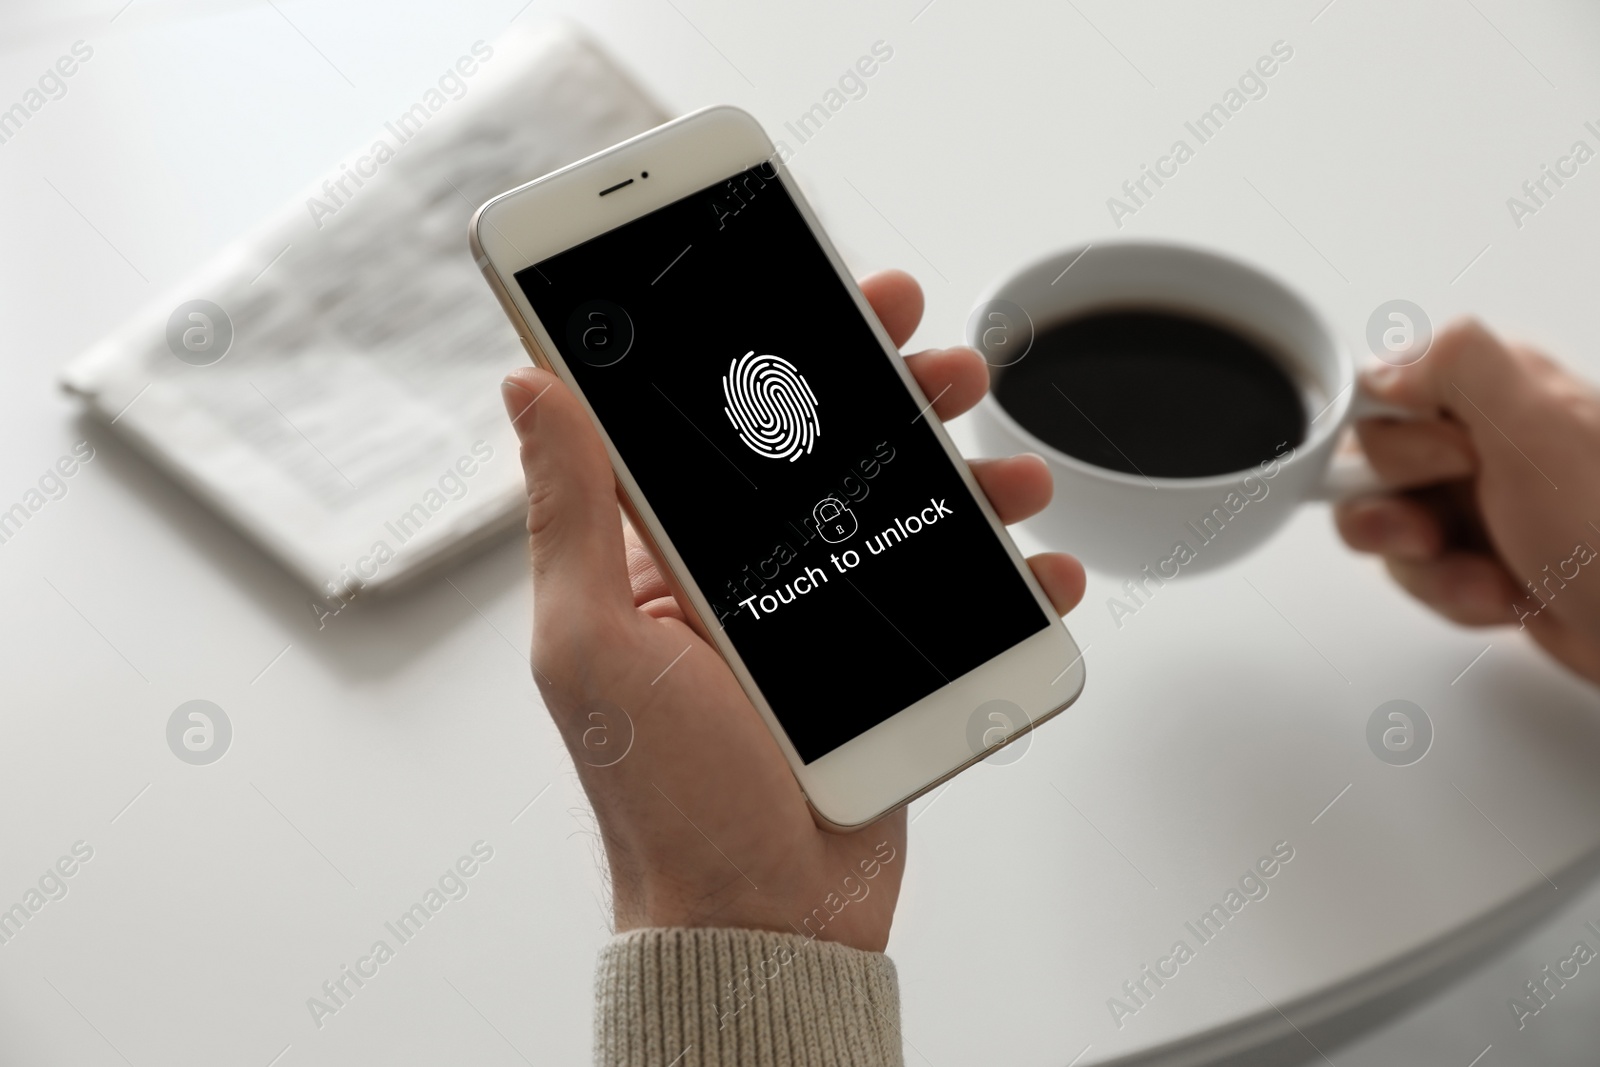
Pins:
<point x="774" y="453"/>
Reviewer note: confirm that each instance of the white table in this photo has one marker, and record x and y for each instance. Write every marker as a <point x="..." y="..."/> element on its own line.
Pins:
<point x="370" y="755"/>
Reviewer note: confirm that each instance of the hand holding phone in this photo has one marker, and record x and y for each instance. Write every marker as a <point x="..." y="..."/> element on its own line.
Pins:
<point x="779" y="461"/>
<point x="702" y="820"/>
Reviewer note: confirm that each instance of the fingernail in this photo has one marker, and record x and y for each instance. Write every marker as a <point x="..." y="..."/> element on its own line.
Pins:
<point x="1408" y="542"/>
<point x="1380" y="379"/>
<point x="1378" y="519"/>
<point x="1475" y="591"/>
<point x="517" y="399"/>
<point x="1396" y="535"/>
<point x="1380" y="525"/>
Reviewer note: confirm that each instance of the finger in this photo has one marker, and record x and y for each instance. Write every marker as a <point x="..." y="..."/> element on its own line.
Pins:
<point x="953" y="379"/>
<point x="1390" y="526"/>
<point x="663" y="607"/>
<point x="1465" y="587"/>
<point x="1017" y="487"/>
<point x="574" y="527"/>
<point x="651" y="594"/>
<point x="643" y="574"/>
<point x="1425" y="452"/>
<point x="1061" y="576"/>
<point x="897" y="299"/>
<point x="1466" y="366"/>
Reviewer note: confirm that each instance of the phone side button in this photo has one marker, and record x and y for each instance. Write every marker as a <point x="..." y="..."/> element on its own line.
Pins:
<point x="533" y="353"/>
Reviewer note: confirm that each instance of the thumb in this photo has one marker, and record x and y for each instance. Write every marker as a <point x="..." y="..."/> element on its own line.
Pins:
<point x="1465" y="367"/>
<point x="574" y="527"/>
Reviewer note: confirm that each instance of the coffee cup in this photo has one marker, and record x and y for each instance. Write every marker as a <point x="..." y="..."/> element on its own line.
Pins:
<point x="1127" y="523"/>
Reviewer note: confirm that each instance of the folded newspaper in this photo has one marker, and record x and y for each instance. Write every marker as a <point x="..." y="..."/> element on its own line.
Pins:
<point x="329" y="383"/>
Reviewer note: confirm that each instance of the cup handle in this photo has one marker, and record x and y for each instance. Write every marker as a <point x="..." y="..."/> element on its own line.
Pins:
<point x="1349" y="474"/>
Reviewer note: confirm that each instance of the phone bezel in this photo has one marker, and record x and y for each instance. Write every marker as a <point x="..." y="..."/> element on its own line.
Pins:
<point x="922" y="745"/>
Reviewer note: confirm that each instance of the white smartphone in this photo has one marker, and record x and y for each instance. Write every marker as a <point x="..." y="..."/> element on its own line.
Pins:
<point x="773" y="451"/>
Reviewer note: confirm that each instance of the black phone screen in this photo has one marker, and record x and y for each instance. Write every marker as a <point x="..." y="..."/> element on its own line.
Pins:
<point x="793" y="471"/>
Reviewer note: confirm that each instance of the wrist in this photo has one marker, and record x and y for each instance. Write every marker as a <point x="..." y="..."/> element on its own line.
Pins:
<point x="659" y="906"/>
<point x="850" y="914"/>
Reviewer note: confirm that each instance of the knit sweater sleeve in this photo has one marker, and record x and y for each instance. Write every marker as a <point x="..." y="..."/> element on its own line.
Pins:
<point x="743" y="998"/>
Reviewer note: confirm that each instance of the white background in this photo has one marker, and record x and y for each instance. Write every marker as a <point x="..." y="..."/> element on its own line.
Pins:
<point x="1222" y="718"/>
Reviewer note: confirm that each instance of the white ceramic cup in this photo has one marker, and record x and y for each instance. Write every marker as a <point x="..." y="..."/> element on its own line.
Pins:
<point x="1129" y="525"/>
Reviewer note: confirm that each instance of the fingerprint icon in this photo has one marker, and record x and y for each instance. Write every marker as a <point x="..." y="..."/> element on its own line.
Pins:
<point x="771" y="406"/>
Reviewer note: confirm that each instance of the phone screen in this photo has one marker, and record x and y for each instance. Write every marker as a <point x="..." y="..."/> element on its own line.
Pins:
<point x="843" y="555"/>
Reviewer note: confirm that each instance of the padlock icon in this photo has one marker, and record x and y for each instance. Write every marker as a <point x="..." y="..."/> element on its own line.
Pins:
<point x="835" y="521"/>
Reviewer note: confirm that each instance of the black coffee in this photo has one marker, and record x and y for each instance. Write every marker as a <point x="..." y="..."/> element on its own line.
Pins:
<point x="1154" y="392"/>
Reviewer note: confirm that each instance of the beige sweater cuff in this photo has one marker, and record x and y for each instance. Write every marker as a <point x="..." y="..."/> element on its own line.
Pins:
<point x="740" y="998"/>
